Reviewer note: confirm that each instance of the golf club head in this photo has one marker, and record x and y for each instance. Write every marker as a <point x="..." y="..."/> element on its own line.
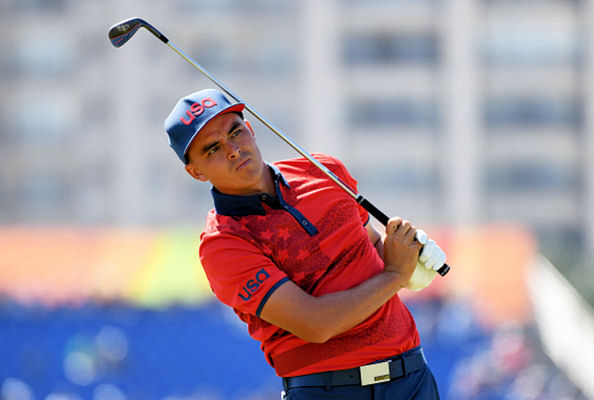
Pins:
<point x="121" y="32"/>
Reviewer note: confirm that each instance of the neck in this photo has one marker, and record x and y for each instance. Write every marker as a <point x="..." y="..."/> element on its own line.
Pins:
<point x="268" y="181"/>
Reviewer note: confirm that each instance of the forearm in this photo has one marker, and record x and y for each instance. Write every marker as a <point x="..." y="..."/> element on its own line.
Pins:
<point x="376" y="238"/>
<point x="338" y="312"/>
<point x="379" y="247"/>
<point x="317" y="319"/>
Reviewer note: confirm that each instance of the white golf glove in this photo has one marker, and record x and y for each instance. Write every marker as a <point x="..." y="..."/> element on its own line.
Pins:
<point x="432" y="256"/>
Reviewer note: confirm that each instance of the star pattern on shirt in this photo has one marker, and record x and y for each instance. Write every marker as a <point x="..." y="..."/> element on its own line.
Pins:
<point x="302" y="254"/>
<point x="267" y="234"/>
<point x="283" y="233"/>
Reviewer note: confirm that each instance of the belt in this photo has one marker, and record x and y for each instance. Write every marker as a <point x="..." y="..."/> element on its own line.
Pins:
<point x="370" y="374"/>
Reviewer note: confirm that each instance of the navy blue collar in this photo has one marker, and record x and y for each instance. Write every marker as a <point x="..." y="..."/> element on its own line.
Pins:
<point x="241" y="206"/>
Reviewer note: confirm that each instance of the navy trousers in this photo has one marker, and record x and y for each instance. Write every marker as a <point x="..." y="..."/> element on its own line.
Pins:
<point x="419" y="385"/>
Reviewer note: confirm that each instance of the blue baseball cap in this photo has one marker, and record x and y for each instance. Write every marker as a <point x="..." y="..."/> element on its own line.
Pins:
<point x="191" y="114"/>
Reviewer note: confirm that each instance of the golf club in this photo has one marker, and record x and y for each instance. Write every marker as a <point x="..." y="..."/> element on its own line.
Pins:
<point x="120" y="33"/>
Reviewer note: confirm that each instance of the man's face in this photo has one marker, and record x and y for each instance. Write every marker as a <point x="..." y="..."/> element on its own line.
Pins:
<point x="225" y="153"/>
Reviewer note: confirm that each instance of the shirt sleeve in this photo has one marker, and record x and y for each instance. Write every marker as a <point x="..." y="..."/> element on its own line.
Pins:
<point x="238" y="271"/>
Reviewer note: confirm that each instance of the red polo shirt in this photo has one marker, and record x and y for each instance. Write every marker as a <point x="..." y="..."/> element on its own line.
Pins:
<point x="312" y="233"/>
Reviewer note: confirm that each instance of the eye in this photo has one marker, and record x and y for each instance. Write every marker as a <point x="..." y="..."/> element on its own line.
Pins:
<point x="212" y="150"/>
<point x="235" y="133"/>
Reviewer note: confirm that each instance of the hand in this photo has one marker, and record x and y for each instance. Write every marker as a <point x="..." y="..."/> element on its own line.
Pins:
<point x="432" y="256"/>
<point x="401" y="250"/>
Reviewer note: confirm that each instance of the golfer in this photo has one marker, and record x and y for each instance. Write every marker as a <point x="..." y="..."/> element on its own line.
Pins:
<point x="301" y="264"/>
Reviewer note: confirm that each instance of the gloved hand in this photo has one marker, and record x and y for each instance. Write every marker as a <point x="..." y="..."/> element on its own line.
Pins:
<point x="432" y="256"/>
<point x="430" y="260"/>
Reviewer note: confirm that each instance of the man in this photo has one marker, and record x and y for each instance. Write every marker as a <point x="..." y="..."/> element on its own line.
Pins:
<point x="300" y="263"/>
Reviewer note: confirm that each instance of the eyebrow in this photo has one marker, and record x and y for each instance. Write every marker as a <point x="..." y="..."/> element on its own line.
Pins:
<point x="209" y="146"/>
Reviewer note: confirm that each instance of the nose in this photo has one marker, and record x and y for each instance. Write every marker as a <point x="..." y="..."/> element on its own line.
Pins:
<point x="233" y="150"/>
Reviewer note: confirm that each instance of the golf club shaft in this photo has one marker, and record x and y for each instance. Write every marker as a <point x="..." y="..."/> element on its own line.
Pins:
<point x="121" y="33"/>
<point x="366" y="204"/>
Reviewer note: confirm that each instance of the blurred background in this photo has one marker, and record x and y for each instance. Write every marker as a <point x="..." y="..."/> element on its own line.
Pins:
<point x="473" y="119"/>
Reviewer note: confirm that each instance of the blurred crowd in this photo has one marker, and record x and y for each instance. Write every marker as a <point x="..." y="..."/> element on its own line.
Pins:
<point x="119" y="352"/>
<point x="471" y="361"/>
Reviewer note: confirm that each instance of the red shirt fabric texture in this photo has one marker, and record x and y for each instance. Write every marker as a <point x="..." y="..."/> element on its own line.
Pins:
<point x="313" y="233"/>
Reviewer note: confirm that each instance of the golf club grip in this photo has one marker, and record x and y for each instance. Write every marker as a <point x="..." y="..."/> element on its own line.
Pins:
<point x="383" y="218"/>
<point x="373" y="210"/>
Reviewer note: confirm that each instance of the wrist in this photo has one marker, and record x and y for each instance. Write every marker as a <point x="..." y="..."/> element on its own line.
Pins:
<point x="397" y="279"/>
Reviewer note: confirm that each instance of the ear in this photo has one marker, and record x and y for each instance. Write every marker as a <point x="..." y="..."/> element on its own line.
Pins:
<point x="195" y="173"/>
<point x="247" y="123"/>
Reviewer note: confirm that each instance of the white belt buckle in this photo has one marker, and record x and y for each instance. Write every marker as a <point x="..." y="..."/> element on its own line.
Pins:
<point x="375" y="373"/>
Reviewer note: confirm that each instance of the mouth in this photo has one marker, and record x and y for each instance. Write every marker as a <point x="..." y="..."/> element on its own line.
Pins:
<point x="243" y="164"/>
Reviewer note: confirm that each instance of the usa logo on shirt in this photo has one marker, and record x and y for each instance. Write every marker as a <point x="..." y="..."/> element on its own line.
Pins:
<point x="252" y="285"/>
